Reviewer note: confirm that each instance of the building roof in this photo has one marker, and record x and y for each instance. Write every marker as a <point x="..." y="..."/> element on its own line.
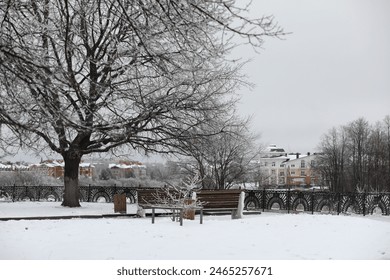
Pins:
<point x="5" y="166"/>
<point x="273" y="151"/>
<point x="13" y="166"/>
<point x="49" y="164"/>
<point x="274" y="148"/>
<point x="86" y="164"/>
<point x="125" y="166"/>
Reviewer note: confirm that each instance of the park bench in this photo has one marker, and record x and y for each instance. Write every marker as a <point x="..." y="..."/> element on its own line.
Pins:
<point x="220" y="201"/>
<point x="165" y="199"/>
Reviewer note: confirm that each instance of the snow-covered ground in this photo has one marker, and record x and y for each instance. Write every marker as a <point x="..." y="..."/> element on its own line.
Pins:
<point x="267" y="236"/>
<point x="44" y="209"/>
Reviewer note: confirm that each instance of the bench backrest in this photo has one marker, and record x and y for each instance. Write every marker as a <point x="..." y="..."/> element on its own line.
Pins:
<point x="219" y="198"/>
<point x="151" y="196"/>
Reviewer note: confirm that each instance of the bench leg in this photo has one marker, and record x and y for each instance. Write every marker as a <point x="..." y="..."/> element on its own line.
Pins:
<point x="152" y="215"/>
<point x="181" y="216"/>
<point x="173" y="215"/>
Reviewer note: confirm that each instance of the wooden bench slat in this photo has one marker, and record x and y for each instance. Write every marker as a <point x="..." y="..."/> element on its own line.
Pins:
<point x="219" y="200"/>
<point x="149" y="196"/>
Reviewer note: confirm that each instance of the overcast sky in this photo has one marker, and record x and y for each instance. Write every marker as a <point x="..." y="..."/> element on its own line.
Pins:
<point x="332" y="69"/>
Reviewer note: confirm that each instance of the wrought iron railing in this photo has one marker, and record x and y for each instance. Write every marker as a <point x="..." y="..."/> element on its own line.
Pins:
<point x="55" y="193"/>
<point x="318" y="201"/>
<point x="264" y="200"/>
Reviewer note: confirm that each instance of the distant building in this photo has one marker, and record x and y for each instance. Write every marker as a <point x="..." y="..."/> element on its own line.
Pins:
<point x="277" y="168"/>
<point x="86" y="169"/>
<point x="55" y="168"/>
<point x="127" y="169"/>
<point x="6" y="167"/>
<point x="51" y="168"/>
<point x="300" y="170"/>
<point x="10" y="166"/>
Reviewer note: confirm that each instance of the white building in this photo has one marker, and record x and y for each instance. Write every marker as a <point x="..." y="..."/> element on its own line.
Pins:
<point x="277" y="168"/>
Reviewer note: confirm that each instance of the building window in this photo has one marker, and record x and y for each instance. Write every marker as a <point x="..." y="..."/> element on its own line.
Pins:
<point x="303" y="164"/>
<point x="273" y="163"/>
<point x="292" y="165"/>
<point x="282" y="165"/>
<point x="281" y="173"/>
<point x="313" y="163"/>
<point x="302" y="173"/>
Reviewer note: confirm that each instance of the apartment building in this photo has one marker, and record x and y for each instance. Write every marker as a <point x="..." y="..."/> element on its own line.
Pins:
<point x="55" y="168"/>
<point x="279" y="168"/>
<point x="127" y="169"/>
<point x="51" y="168"/>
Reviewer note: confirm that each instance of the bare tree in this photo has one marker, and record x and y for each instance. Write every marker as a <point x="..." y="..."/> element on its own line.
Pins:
<point x="378" y="157"/>
<point x="358" y="133"/>
<point x="225" y="157"/>
<point x="386" y="132"/>
<point x="332" y="159"/>
<point x="87" y="76"/>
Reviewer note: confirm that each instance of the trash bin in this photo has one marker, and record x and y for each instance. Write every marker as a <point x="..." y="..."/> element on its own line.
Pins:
<point x="120" y="203"/>
<point x="189" y="213"/>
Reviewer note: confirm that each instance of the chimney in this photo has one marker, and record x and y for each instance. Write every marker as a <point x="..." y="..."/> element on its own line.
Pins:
<point x="297" y="154"/>
<point x="308" y="153"/>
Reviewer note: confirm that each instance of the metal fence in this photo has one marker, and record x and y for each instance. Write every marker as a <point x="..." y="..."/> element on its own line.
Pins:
<point x="265" y="200"/>
<point x="55" y="193"/>
<point x="318" y="201"/>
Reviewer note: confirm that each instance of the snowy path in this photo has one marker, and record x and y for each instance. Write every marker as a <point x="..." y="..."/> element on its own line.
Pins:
<point x="265" y="236"/>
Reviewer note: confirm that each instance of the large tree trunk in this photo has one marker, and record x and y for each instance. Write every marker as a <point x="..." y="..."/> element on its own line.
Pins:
<point x="71" y="179"/>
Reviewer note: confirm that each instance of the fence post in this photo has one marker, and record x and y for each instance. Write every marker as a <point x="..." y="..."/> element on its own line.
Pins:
<point x="288" y="200"/>
<point x="13" y="193"/>
<point x="364" y="202"/>
<point x="312" y="202"/>
<point x="26" y="192"/>
<point x="338" y="203"/>
<point x="38" y="193"/>
<point x="388" y="204"/>
<point x="263" y="199"/>
<point x="89" y="193"/>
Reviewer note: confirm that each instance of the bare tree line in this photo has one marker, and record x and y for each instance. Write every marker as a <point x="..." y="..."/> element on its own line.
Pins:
<point x="356" y="156"/>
